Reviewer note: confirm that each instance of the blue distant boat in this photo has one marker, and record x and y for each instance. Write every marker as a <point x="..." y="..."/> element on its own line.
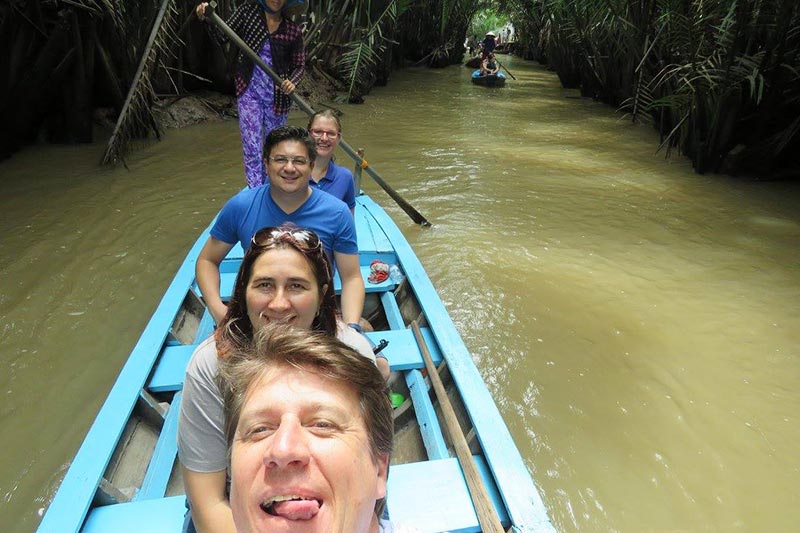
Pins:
<point x="488" y="80"/>
<point x="125" y="476"/>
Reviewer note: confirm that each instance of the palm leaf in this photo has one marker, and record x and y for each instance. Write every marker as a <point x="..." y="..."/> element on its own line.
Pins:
<point x="361" y="55"/>
<point x="136" y="117"/>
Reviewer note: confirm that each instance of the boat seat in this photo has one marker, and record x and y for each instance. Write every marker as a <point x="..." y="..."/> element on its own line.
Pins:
<point x="433" y="496"/>
<point x="402" y="353"/>
<point x="163" y="515"/>
<point x="430" y="496"/>
<point x="370" y="238"/>
<point x="171" y="367"/>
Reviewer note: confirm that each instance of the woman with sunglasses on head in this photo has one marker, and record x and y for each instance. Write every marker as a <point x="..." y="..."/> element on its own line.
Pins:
<point x="284" y="278"/>
<point x="326" y="130"/>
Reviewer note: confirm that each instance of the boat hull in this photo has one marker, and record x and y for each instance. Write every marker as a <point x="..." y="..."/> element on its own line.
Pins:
<point x="494" y="80"/>
<point x="125" y="476"/>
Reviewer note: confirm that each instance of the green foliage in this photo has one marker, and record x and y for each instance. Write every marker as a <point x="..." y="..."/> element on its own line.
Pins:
<point x="713" y="75"/>
<point x="350" y="39"/>
<point x="488" y="19"/>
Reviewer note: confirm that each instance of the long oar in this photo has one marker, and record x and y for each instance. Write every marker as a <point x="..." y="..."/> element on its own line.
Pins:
<point x="487" y="515"/>
<point x="404" y="205"/>
<point x="504" y="68"/>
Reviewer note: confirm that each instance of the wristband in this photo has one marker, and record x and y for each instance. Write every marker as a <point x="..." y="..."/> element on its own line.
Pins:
<point x="356" y="327"/>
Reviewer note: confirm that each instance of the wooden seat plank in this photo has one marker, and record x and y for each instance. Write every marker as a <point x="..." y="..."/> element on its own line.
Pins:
<point x="171" y="368"/>
<point x="163" y="515"/>
<point x="371" y="237"/>
<point x="402" y="351"/>
<point x="433" y="496"/>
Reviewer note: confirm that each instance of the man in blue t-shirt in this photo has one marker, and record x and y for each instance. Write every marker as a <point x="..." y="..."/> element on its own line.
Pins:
<point x="289" y="157"/>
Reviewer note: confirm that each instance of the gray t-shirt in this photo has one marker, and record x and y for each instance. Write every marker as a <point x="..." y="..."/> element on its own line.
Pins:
<point x="201" y="424"/>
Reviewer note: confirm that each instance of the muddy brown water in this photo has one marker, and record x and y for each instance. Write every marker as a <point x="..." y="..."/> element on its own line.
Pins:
<point x="637" y="324"/>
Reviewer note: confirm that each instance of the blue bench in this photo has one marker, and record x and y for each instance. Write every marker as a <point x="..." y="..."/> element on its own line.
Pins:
<point x="171" y="368"/>
<point x="163" y="515"/>
<point x="431" y="496"/>
<point x="402" y="353"/>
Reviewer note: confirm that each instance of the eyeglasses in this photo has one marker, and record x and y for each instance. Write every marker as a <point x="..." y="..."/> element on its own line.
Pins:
<point x="319" y="134"/>
<point x="282" y="160"/>
<point x="301" y="237"/>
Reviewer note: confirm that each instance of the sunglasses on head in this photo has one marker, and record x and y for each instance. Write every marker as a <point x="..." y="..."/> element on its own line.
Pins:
<point x="303" y="237"/>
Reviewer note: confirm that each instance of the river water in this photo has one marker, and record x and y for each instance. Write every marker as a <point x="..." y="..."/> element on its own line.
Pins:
<point x="637" y="324"/>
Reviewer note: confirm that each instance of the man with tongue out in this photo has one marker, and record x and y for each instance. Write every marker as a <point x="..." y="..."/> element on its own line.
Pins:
<point x="310" y="427"/>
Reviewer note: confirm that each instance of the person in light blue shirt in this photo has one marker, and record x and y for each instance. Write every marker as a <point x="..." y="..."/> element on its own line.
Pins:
<point x="326" y="130"/>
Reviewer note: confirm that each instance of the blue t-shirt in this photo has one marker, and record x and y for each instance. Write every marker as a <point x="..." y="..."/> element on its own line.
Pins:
<point x="252" y="209"/>
<point x="338" y="182"/>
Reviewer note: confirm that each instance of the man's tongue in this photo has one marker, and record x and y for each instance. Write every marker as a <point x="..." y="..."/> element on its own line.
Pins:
<point x="296" y="509"/>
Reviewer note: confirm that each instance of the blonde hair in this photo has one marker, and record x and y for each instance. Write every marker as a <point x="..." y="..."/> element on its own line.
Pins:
<point x="329" y="114"/>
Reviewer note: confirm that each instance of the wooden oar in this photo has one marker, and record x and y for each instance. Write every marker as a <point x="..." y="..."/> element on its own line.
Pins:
<point x="504" y="68"/>
<point x="415" y="215"/>
<point x="487" y="515"/>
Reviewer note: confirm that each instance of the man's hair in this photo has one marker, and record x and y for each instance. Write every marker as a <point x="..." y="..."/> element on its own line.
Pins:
<point x="290" y="133"/>
<point x="279" y="345"/>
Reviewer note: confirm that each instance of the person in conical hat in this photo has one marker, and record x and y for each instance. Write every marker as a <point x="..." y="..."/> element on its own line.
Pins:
<point x="488" y="44"/>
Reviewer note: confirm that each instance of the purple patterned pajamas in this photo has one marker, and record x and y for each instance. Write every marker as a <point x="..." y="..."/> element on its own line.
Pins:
<point x="256" y="119"/>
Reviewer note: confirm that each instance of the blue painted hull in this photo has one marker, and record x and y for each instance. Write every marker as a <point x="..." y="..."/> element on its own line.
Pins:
<point x="494" y="80"/>
<point x="428" y="492"/>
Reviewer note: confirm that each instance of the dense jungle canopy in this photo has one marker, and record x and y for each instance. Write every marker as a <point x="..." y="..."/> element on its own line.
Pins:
<point x="719" y="79"/>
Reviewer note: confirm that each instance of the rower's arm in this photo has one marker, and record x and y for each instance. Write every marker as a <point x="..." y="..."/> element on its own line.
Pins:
<point x="207" y="273"/>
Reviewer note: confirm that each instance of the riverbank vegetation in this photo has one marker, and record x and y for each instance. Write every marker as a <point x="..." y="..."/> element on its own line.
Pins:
<point x="719" y="79"/>
<point x="68" y="65"/>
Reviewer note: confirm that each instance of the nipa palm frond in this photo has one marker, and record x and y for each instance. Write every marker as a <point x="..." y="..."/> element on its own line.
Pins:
<point x="356" y="64"/>
<point x="136" y="118"/>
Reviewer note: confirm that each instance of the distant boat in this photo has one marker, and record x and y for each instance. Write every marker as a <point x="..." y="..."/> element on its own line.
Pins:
<point x="125" y="477"/>
<point x="489" y="80"/>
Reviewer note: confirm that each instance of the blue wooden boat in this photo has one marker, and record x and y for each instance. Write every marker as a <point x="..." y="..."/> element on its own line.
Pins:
<point x="488" y="80"/>
<point x="125" y="475"/>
